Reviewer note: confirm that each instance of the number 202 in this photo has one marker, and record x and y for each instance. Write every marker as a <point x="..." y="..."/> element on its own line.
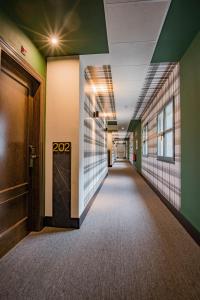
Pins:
<point x="61" y="147"/>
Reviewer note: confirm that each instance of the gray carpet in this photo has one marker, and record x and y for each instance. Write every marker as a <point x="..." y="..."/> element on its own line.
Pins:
<point x="129" y="247"/>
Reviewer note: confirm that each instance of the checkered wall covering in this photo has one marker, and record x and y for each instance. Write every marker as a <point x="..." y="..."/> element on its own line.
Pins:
<point x="99" y="79"/>
<point x="164" y="176"/>
<point x="95" y="150"/>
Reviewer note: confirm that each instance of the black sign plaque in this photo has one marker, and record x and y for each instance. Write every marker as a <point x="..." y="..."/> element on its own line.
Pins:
<point x="61" y="183"/>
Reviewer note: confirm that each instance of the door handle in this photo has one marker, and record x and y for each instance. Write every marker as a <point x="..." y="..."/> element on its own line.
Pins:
<point x="32" y="155"/>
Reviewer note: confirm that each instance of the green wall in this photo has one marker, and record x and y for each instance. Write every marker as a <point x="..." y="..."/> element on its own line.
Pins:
<point x="137" y="136"/>
<point x="190" y="132"/>
<point x="180" y="27"/>
<point x="127" y="150"/>
<point x="16" y="38"/>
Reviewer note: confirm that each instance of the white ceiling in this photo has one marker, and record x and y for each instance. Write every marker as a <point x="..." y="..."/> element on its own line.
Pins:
<point x="133" y="28"/>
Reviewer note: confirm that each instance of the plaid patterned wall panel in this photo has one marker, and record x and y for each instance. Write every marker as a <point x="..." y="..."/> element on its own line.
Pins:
<point x="164" y="176"/>
<point x="101" y="100"/>
<point x="95" y="149"/>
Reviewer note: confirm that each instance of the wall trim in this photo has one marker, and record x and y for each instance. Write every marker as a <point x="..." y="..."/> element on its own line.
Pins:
<point x="193" y="232"/>
<point x="76" y="222"/>
<point x="10" y="50"/>
<point x="71" y="223"/>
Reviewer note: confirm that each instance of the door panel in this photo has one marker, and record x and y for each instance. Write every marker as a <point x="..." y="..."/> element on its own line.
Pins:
<point x="12" y="236"/>
<point x="12" y="211"/>
<point x="16" y="135"/>
<point x="13" y="132"/>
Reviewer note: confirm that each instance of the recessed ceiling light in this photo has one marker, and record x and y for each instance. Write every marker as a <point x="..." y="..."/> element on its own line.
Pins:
<point x="122" y="128"/>
<point x="54" y="40"/>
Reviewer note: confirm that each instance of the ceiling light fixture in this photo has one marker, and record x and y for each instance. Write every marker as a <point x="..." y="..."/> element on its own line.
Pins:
<point x="54" y="40"/>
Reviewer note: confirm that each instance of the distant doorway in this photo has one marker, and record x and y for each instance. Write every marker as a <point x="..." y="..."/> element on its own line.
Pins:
<point x="121" y="151"/>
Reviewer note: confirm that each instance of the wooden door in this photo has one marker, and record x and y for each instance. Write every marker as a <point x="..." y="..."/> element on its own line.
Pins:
<point x="17" y="153"/>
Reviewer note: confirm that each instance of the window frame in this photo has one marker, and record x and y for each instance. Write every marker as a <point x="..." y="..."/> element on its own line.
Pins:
<point x="163" y="133"/>
<point x="145" y="140"/>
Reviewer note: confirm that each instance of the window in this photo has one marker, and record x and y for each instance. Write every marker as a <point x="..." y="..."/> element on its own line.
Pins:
<point x="165" y="130"/>
<point x="145" y="140"/>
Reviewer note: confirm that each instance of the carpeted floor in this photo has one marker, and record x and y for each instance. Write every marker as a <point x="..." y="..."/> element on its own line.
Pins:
<point x="129" y="247"/>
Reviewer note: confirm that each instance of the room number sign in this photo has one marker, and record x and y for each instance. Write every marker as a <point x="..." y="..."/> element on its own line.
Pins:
<point x="61" y="147"/>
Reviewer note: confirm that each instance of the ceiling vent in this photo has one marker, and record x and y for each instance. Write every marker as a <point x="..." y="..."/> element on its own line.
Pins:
<point x="112" y="125"/>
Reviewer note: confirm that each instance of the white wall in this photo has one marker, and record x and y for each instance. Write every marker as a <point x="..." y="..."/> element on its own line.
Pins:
<point x="81" y="140"/>
<point x="62" y="122"/>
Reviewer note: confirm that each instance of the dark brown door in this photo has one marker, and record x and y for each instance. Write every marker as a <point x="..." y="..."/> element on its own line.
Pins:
<point x="16" y="151"/>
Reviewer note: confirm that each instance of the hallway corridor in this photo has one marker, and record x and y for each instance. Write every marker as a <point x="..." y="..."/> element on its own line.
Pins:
<point x="129" y="247"/>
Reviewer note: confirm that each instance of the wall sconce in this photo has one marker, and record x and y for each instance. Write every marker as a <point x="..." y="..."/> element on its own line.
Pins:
<point x="96" y="114"/>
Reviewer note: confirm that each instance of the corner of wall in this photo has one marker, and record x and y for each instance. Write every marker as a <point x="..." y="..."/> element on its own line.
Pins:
<point x="81" y="139"/>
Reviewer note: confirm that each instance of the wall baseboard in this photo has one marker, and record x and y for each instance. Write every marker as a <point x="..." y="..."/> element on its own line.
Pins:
<point x="75" y="222"/>
<point x="193" y="232"/>
<point x="71" y="223"/>
<point x="10" y="237"/>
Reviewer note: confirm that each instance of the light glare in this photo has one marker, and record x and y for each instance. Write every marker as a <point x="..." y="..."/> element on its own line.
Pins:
<point x="54" y="40"/>
<point x="94" y="89"/>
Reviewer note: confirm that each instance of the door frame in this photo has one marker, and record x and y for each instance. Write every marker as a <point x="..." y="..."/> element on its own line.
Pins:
<point x="38" y="208"/>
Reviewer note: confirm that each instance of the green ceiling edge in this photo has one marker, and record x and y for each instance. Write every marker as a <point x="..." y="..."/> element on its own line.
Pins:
<point x="81" y="24"/>
<point x="133" y="125"/>
<point x="180" y="27"/>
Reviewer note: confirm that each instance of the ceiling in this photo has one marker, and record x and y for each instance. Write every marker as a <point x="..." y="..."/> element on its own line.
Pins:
<point x="133" y="29"/>
<point x="79" y="24"/>
<point x="180" y="28"/>
<point x="123" y="34"/>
